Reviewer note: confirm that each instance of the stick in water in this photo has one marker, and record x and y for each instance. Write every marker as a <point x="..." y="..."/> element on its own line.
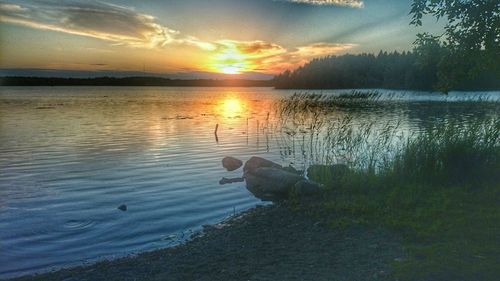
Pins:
<point x="215" y="133"/>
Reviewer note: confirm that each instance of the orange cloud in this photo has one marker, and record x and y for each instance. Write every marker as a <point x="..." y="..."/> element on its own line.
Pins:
<point x="232" y="57"/>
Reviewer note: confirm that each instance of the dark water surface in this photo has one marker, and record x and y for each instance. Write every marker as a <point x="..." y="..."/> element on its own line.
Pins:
<point x="69" y="156"/>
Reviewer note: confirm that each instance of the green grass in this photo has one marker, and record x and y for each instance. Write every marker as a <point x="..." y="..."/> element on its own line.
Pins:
<point x="442" y="193"/>
<point x="440" y="189"/>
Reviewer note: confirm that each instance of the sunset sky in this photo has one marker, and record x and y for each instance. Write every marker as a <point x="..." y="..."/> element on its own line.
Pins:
<point x="183" y="36"/>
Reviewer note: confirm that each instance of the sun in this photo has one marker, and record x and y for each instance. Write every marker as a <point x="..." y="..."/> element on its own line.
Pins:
<point x="231" y="61"/>
<point x="230" y="69"/>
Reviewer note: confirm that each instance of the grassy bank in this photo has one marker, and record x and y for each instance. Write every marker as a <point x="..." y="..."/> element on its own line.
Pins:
<point x="439" y="188"/>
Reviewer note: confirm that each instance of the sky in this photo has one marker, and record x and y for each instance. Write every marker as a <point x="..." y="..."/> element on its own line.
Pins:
<point x="231" y="37"/>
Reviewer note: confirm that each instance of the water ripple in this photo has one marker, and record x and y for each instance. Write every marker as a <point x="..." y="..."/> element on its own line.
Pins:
<point x="78" y="225"/>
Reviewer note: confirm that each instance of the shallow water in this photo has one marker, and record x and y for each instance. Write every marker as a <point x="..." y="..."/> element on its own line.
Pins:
<point x="69" y="156"/>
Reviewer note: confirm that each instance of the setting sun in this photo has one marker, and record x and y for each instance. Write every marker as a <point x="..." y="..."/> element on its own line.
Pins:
<point x="231" y="61"/>
<point x="230" y="69"/>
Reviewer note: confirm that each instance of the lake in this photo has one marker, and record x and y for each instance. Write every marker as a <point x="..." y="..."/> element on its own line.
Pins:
<point x="69" y="156"/>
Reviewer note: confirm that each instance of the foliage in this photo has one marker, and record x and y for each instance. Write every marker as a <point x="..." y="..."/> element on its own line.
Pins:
<point x="470" y="44"/>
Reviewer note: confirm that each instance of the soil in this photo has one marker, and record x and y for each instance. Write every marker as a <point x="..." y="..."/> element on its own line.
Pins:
<point x="266" y="243"/>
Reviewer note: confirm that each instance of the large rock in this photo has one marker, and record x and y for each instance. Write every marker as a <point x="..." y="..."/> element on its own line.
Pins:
<point x="257" y="162"/>
<point x="269" y="180"/>
<point x="306" y="187"/>
<point x="231" y="163"/>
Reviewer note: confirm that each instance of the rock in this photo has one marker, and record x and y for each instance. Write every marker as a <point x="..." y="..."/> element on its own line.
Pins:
<point x="231" y="163"/>
<point x="257" y="162"/>
<point x="268" y="180"/>
<point x="122" y="207"/>
<point x="329" y="175"/>
<point x="225" y="180"/>
<point x="306" y="187"/>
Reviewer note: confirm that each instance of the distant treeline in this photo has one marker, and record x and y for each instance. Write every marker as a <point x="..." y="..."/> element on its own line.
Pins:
<point x="385" y="70"/>
<point x="406" y="71"/>
<point x="130" y="81"/>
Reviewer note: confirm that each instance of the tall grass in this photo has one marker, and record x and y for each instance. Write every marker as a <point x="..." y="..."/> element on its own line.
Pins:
<point x="328" y="135"/>
<point x="451" y="153"/>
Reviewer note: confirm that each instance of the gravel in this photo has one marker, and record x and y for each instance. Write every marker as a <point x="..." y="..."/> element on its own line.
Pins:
<point x="265" y="243"/>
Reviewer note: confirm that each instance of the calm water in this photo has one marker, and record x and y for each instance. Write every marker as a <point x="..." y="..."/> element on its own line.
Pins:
<point x="69" y="156"/>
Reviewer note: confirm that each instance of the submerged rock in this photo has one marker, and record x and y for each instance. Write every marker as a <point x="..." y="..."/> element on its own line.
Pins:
<point x="256" y="162"/>
<point x="225" y="180"/>
<point x="122" y="207"/>
<point x="231" y="163"/>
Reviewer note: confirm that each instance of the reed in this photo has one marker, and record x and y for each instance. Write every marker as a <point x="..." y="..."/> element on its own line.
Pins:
<point x="454" y="152"/>
<point x="327" y="135"/>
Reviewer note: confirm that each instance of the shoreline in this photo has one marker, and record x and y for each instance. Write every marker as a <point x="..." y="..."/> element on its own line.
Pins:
<point x="269" y="242"/>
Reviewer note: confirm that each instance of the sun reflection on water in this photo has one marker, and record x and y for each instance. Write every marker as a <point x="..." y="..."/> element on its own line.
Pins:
<point x="231" y="107"/>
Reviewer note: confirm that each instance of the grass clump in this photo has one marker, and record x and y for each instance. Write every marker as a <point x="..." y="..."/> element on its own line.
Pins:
<point x="441" y="191"/>
<point x="451" y="154"/>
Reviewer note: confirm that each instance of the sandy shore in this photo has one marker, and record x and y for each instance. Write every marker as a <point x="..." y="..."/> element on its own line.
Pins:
<point x="265" y="243"/>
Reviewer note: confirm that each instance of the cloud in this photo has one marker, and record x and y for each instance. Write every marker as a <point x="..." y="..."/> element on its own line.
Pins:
<point x="301" y="55"/>
<point x="242" y="56"/>
<point x="321" y="49"/>
<point x="118" y="24"/>
<point x="11" y="7"/>
<point x="232" y="56"/>
<point x="347" y="3"/>
<point x="254" y="49"/>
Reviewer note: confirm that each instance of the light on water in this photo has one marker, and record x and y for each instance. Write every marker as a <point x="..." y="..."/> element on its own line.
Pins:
<point x="69" y="156"/>
<point x="231" y="107"/>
